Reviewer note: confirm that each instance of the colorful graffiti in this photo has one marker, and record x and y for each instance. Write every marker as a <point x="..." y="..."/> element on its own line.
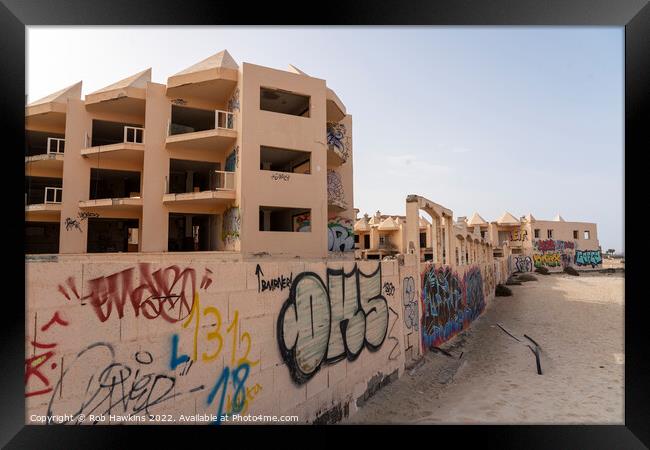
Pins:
<point x="519" y="235"/>
<point x="448" y="304"/>
<point x="522" y="263"/>
<point x="302" y="222"/>
<point x="335" y="192"/>
<point x="550" y="245"/>
<point x="232" y="161"/>
<point x="340" y="237"/>
<point x="338" y="139"/>
<point x="231" y="227"/>
<point x="549" y="259"/>
<point x="325" y="324"/>
<point x="591" y="258"/>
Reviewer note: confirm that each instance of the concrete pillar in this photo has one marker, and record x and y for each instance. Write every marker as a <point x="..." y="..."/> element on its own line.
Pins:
<point x="154" y="226"/>
<point x="413" y="228"/>
<point x="76" y="179"/>
<point x="449" y="235"/>
<point x="374" y="238"/>
<point x="437" y="258"/>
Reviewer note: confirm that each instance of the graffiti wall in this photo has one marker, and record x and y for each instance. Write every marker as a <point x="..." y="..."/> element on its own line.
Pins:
<point x="340" y="235"/>
<point x="193" y="340"/>
<point x="451" y="299"/>
<point x="556" y="255"/>
<point x="592" y="258"/>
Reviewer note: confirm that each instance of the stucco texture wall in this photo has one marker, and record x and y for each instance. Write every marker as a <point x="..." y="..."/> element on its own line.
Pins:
<point x="188" y="335"/>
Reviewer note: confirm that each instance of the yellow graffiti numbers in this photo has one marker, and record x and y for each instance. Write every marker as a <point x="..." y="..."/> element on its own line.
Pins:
<point x="251" y="393"/>
<point x="215" y="335"/>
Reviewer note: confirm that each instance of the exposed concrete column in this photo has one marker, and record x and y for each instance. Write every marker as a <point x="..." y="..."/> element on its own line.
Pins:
<point x="413" y="228"/>
<point x="434" y="239"/>
<point x="154" y="227"/>
<point x="76" y="179"/>
<point x="449" y="235"/>
<point x="374" y="238"/>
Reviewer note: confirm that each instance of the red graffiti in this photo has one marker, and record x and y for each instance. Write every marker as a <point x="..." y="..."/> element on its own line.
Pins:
<point x="33" y="365"/>
<point x="550" y="245"/>
<point x="166" y="293"/>
<point x="55" y="319"/>
<point x="33" y="368"/>
<point x="206" y="281"/>
<point x="70" y="283"/>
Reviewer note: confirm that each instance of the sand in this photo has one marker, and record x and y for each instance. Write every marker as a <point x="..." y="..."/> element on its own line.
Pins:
<point x="579" y="324"/>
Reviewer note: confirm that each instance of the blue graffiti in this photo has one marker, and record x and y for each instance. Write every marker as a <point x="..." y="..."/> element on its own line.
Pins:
<point x="239" y="397"/>
<point x="588" y="257"/>
<point x="175" y="359"/>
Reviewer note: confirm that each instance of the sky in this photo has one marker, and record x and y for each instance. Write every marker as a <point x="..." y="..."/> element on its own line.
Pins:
<point x="487" y="119"/>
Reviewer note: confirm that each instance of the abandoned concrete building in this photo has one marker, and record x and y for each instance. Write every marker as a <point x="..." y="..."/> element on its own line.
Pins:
<point x="526" y="242"/>
<point x="225" y="157"/>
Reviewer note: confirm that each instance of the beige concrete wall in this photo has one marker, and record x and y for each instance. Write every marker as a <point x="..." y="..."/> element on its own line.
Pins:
<point x="230" y="314"/>
<point x="169" y="327"/>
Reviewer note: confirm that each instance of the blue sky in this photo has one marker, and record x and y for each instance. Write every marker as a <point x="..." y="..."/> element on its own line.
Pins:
<point x="523" y="119"/>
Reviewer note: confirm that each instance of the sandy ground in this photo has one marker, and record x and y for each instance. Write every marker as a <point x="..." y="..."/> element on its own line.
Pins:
<point x="578" y="323"/>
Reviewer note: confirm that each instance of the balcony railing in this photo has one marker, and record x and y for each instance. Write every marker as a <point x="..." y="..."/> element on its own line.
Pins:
<point x="55" y="146"/>
<point x="220" y="180"/>
<point x="53" y="195"/>
<point x="224" y="181"/>
<point x="133" y="135"/>
<point x="223" y="120"/>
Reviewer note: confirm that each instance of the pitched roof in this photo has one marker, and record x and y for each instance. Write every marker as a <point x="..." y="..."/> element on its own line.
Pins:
<point x="295" y="70"/>
<point x="424" y="223"/>
<point x="558" y="218"/>
<point x="476" y="219"/>
<point x="388" y="224"/>
<point x="221" y="60"/>
<point x="73" y="91"/>
<point x="529" y="217"/>
<point x="507" y="219"/>
<point x="362" y="224"/>
<point x="138" y="80"/>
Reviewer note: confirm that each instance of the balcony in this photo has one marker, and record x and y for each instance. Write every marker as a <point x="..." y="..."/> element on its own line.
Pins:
<point x="221" y="190"/>
<point x="118" y="204"/>
<point x="191" y="128"/>
<point x="129" y="147"/>
<point x="48" y="160"/>
<point x="47" y="210"/>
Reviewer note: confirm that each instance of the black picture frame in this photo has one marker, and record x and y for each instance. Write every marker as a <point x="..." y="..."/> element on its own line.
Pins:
<point x="634" y="15"/>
